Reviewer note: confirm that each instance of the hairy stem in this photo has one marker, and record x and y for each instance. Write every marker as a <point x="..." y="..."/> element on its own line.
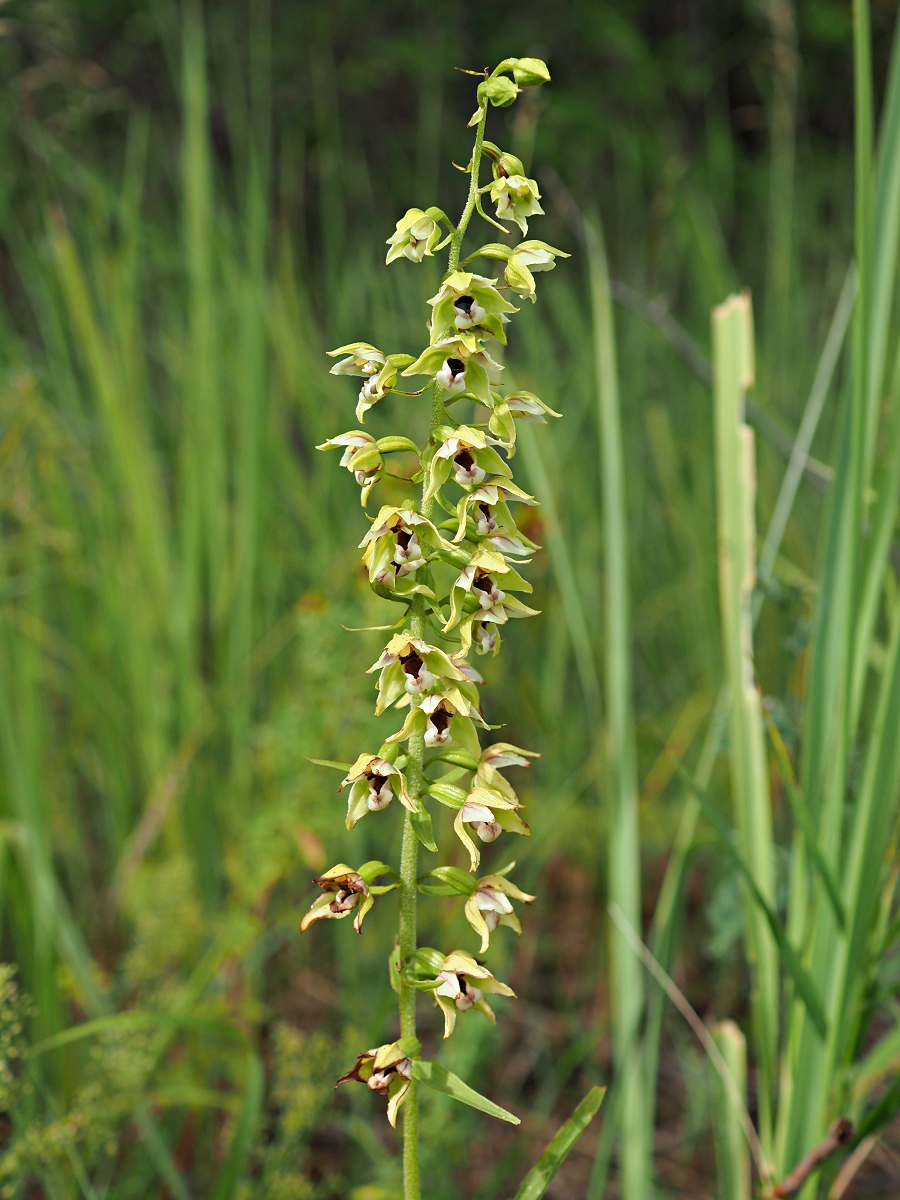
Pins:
<point x="408" y="868"/>
<point x="456" y="240"/>
<point x="410" y="849"/>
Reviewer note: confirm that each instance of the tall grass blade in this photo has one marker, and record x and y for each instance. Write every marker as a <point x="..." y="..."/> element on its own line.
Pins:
<point x="228" y="1184"/>
<point x="539" y="1178"/>
<point x="626" y="985"/>
<point x="733" y="361"/>
<point x="732" y="1154"/>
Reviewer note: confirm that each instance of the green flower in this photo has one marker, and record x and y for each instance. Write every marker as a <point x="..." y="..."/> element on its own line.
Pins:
<point x="460" y="366"/>
<point x="465" y="452"/>
<point x="527" y="258"/>
<point x="505" y="754"/>
<point x="490" y="808"/>
<point x="386" y="1070"/>
<point x="481" y="588"/>
<point x="395" y="548"/>
<point x="484" y="635"/>
<point x="362" y="359"/>
<point x="461" y="984"/>
<point x="469" y="302"/>
<point x="517" y="198"/>
<point x="441" y="717"/>
<point x="361" y="457"/>
<point x="379" y="371"/>
<point x="372" y="780"/>
<point x="346" y="891"/>
<point x="518" y="406"/>
<point x="410" y="668"/>
<point x="490" y="905"/>
<point x="484" y="514"/>
<point x="417" y="235"/>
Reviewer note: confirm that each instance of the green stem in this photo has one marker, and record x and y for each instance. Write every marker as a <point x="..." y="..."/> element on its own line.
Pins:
<point x="409" y="852"/>
<point x="459" y="234"/>
<point x="408" y="870"/>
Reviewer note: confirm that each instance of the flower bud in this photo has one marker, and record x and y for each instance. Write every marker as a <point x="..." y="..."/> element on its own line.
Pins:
<point x="498" y="90"/>
<point x="530" y="72"/>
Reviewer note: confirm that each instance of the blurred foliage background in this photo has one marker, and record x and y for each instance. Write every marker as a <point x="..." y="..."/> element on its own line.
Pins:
<point x="193" y="207"/>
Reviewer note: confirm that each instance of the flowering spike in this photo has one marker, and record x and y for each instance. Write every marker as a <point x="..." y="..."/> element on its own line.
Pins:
<point x="426" y="671"/>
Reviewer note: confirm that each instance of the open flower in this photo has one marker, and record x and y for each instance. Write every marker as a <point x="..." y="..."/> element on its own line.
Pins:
<point x="465" y="453"/>
<point x="361" y="457"/>
<point x="505" y="754"/>
<point x="486" y="581"/>
<point x="517" y="198"/>
<point x="395" y="547"/>
<point x="346" y="891"/>
<point x="518" y="406"/>
<point x="362" y="359"/>
<point x="443" y="716"/>
<point x="459" y="365"/>
<point x="487" y="509"/>
<point x="372" y="780"/>
<point x="410" y="667"/>
<point x="488" y="813"/>
<point x="490" y="905"/>
<point x="417" y="234"/>
<point x="527" y="258"/>
<point x="484" y="515"/>
<point x="386" y="1070"/>
<point x="379" y="371"/>
<point x="483" y="635"/>
<point x="467" y="301"/>
<point x="461" y="985"/>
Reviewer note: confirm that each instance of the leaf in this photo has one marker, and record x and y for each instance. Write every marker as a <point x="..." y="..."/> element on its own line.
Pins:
<point x="242" y="1143"/>
<point x="423" y="828"/>
<point x="803" y="982"/>
<point x="804" y="820"/>
<point x="328" y="762"/>
<point x="439" y="1079"/>
<point x="536" y="1182"/>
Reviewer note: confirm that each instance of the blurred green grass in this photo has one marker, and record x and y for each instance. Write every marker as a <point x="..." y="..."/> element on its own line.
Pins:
<point x="177" y="561"/>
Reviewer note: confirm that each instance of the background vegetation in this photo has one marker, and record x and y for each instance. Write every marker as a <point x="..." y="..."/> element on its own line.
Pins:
<point x="192" y="209"/>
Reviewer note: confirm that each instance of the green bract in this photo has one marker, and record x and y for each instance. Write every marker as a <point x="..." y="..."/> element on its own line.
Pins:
<point x="457" y="595"/>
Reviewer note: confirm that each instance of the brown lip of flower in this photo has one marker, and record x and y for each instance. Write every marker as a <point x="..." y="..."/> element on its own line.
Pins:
<point x="439" y="721"/>
<point x="348" y="890"/>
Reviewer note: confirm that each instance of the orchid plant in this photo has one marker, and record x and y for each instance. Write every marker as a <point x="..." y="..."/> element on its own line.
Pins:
<point x="453" y="561"/>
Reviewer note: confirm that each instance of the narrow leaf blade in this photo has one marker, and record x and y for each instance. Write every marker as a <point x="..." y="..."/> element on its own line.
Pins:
<point x="439" y="1079"/>
<point x="536" y="1182"/>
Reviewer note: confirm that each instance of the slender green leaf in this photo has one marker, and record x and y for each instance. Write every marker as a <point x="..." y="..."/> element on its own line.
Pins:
<point x="439" y="1079"/>
<point x="235" y="1165"/>
<point x="536" y="1182"/>
<point x="806" y="988"/>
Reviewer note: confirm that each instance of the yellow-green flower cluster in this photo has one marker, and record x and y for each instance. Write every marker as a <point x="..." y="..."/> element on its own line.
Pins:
<point x="453" y="559"/>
